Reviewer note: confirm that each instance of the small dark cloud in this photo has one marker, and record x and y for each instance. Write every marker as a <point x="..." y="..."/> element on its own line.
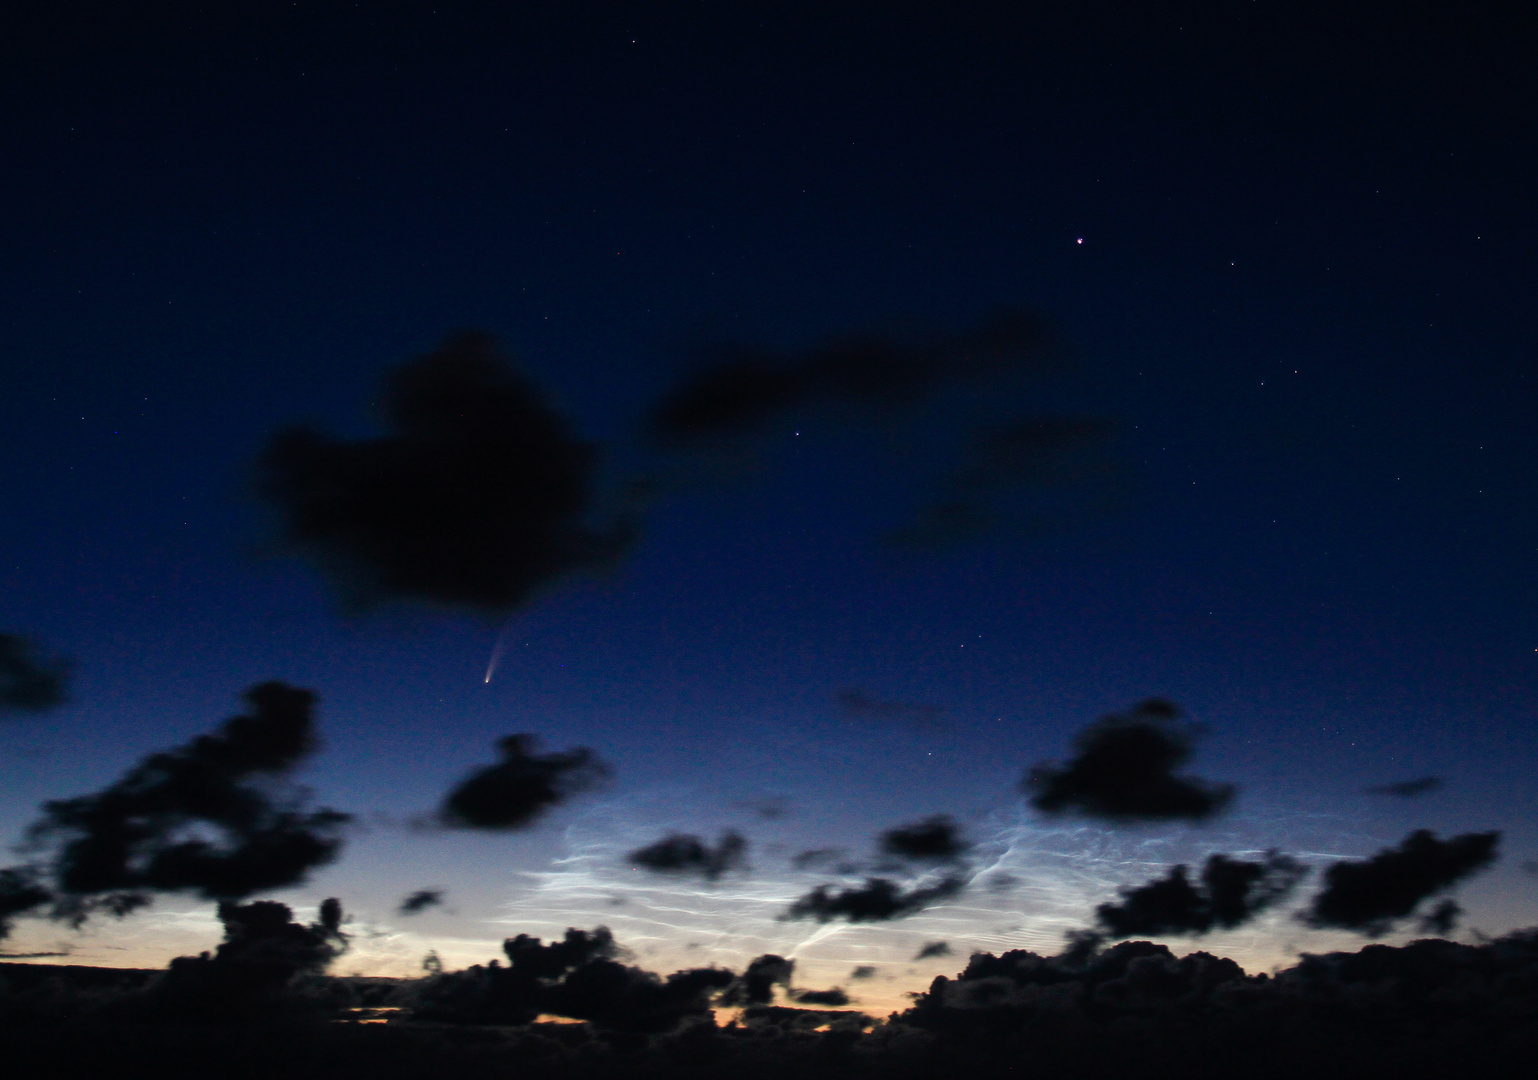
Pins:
<point x="815" y="857"/>
<point x="420" y="901"/>
<point x="211" y="817"/>
<point x="476" y="497"/>
<point x="1124" y="771"/>
<point x="935" y="839"/>
<point x="1372" y="895"/>
<point x="755" y="986"/>
<point x="860" y="705"/>
<point x="1408" y="789"/>
<point x="876" y="901"/>
<point x="1530" y="867"/>
<point x="827" y="998"/>
<point x="864" y="971"/>
<point x="1001" y="882"/>
<point x="516" y="790"/>
<point x="770" y="807"/>
<point x="681" y="853"/>
<point x="29" y="680"/>
<point x="932" y="949"/>
<point x="1231" y="892"/>
<point x="1441" y="919"/>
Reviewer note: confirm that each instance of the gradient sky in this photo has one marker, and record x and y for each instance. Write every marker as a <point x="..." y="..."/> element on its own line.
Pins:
<point x="1292" y="251"/>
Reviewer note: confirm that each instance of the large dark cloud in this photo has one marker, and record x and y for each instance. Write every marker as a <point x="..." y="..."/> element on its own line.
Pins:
<point x="263" y="951"/>
<point x="477" y="495"/>
<point x="1125" y="771"/>
<point x="1230" y="893"/>
<point x="512" y="793"/>
<point x="681" y="853"/>
<point x="1409" y="789"/>
<point x="878" y="900"/>
<point x="936" y="839"/>
<point x="213" y="817"/>
<point x="29" y="680"/>
<point x="578" y="977"/>
<point x="1372" y="895"/>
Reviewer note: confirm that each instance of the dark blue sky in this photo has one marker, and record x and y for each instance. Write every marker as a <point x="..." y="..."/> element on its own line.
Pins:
<point x="1293" y="252"/>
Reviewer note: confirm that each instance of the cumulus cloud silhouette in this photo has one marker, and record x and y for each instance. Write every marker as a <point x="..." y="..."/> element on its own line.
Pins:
<point x="755" y="986"/>
<point x="1124" y="771"/>
<point x="20" y="892"/>
<point x="515" y="791"/>
<point x="1231" y="892"/>
<point x="935" y="839"/>
<point x="212" y="817"/>
<point x="577" y="977"/>
<point x="29" y="680"/>
<point x="878" y="900"/>
<point x="1372" y="895"/>
<point x="833" y="997"/>
<point x="681" y="853"/>
<point x="475" y="497"/>
<point x="932" y="949"/>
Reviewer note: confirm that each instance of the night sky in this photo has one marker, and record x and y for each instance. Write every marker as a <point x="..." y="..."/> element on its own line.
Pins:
<point x="1287" y="256"/>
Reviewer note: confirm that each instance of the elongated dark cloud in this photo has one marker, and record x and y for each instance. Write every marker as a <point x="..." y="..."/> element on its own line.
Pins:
<point x="1372" y="895"/>
<point x="420" y="901"/>
<point x="1125" y="771"/>
<point x="833" y="997"/>
<point x="740" y="389"/>
<point x="1230" y="893"/>
<point x="150" y="831"/>
<point x="864" y="971"/>
<point x="861" y="705"/>
<point x="682" y="853"/>
<point x="1409" y="789"/>
<point x="936" y="839"/>
<point x="29" y="680"/>
<point x="476" y="496"/>
<point x="931" y="949"/>
<point x="755" y="986"/>
<point x="516" y="790"/>
<point x="878" y="900"/>
<point x="577" y="977"/>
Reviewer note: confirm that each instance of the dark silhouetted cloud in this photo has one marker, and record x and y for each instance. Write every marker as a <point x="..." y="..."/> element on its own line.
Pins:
<point x="1231" y="892"/>
<point x="149" y="832"/>
<point x="420" y="901"/>
<point x="1441" y="919"/>
<point x="1124" y="771"/>
<point x="577" y="978"/>
<point x="932" y="949"/>
<point x="681" y="853"/>
<point x="29" y="680"/>
<point x="864" y="971"/>
<point x="477" y="495"/>
<point x="741" y="389"/>
<point x="935" y="839"/>
<point x="1372" y="895"/>
<point x="876" y="901"/>
<point x="20" y="892"/>
<point x="862" y="706"/>
<point x="263" y="951"/>
<point x="514" y="792"/>
<point x="1408" y="789"/>
<point x="828" y="998"/>
<point x="755" y="986"/>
